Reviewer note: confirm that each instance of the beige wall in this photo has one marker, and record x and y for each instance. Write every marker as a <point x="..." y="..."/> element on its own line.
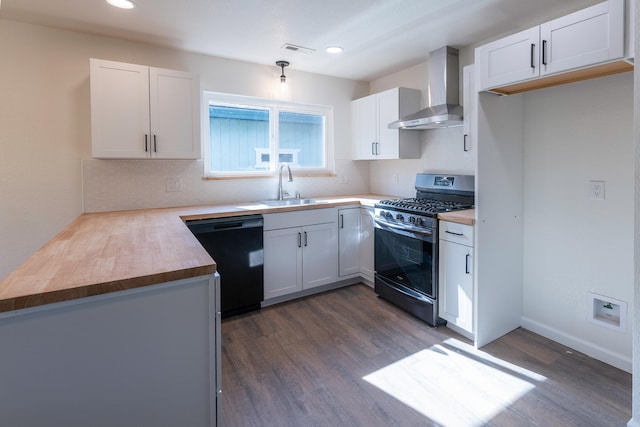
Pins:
<point x="45" y="135"/>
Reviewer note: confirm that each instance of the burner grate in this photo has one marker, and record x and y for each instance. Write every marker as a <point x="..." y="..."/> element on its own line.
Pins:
<point x="427" y="206"/>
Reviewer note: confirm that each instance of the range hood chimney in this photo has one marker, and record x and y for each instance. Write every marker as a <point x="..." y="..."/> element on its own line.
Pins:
<point x="444" y="110"/>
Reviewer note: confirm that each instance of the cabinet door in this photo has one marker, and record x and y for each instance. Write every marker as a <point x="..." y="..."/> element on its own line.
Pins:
<point x="348" y="241"/>
<point x="470" y="98"/>
<point x="174" y="107"/>
<point x="366" y="243"/>
<point x="119" y="110"/>
<point x="388" y="111"/>
<point x="282" y="262"/>
<point x="456" y="284"/>
<point x="320" y="260"/>
<point x="586" y="37"/>
<point x="364" y="127"/>
<point x="509" y="60"/>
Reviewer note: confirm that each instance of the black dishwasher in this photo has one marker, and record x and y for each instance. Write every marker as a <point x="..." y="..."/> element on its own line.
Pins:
<point x="235" y="244"/>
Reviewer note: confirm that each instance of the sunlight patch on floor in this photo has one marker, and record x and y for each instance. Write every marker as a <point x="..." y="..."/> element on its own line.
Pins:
<point x="455" y="384"/>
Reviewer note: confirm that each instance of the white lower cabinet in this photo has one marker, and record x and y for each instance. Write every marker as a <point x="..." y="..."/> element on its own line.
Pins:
<point x="349" y="241"/>
<point x="456" y="275"/>
<point x="355" y="242"/>
<point x="301" y="257"/>
<point x="366" y="252"/>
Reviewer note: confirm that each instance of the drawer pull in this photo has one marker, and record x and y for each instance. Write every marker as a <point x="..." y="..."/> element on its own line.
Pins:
<point x="454" y="233"/>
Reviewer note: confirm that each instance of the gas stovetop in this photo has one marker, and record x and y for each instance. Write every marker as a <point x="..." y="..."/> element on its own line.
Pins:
<point x="424" y="206"/>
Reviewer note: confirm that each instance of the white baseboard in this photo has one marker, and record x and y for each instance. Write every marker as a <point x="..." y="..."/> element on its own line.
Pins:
<point x="633" y="423"/>
<point x="590" y="349"/>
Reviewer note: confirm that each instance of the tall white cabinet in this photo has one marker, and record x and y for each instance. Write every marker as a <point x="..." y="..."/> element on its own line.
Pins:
<point x="140" y="112"/>
<point x="370" y="116"/>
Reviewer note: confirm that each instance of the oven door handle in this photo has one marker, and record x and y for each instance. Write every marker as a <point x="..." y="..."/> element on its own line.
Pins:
<point x="415" y="230"/>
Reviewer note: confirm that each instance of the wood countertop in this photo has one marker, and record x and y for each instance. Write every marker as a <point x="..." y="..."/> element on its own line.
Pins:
<point x="467" y="217"/>
<point x="107" y="252"/>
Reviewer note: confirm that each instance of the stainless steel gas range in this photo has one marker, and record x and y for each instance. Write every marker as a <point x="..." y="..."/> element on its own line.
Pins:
<point x="406" y="242"/>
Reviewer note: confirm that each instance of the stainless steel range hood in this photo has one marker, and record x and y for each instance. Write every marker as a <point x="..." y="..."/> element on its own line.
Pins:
<point x="444" y="110"/>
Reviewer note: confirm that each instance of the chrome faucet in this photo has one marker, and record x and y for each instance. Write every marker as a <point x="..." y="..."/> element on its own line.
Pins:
<point x="280" y="192"/>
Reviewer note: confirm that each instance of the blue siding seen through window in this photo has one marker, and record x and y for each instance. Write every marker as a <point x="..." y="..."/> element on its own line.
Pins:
<point x="236" y="133"/>
<point x="304" y="132"/>
<point x="239" y="138"/>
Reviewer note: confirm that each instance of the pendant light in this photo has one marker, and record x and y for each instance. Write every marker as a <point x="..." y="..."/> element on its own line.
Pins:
<point x="282" y="64"/>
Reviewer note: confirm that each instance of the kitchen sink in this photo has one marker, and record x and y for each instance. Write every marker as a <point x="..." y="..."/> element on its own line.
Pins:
<point x="290" y="202"/>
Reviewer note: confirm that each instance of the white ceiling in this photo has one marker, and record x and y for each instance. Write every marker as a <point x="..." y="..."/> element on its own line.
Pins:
<point x="378" y="36"/>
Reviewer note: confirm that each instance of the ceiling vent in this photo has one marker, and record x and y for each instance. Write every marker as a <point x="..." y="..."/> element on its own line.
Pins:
<point x="298" y="49"/>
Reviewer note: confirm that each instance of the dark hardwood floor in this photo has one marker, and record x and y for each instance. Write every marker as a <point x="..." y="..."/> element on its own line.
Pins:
<point x="348" y="358"/>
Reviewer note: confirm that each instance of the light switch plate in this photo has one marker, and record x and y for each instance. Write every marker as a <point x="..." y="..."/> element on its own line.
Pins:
<point x="596" y="190"/>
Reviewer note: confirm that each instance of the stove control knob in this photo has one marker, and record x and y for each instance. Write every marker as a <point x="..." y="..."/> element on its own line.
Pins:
<point x="419" y="222"/>
<point x="387" y="215"/>
<point x="400" y="217"/>
<point x="412" y="219"/>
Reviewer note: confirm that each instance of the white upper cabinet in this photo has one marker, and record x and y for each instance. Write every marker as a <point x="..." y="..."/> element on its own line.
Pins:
<point x="591" y="36"/>
<point x="174" y="104"/>
<point x="370" y="117"/>
<point x="470" y="99"/>
<point x="143" y="112"/>
<point x="509" y="60"/>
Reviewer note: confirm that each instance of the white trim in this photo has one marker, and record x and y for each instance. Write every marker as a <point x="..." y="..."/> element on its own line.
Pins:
<point x="590" y="349"/>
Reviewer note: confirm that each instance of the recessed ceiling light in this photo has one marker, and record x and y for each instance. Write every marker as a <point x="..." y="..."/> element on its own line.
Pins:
<point x="122" y="4"/>
<point x="334" y="49"/>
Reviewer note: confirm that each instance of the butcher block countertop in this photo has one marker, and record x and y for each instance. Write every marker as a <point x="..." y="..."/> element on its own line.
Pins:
<point x="467" y="217"/>
<point x="99" y="253"/>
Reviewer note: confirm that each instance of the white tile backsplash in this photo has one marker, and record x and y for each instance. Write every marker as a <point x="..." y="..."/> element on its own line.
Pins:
<point x="110" y="185"/>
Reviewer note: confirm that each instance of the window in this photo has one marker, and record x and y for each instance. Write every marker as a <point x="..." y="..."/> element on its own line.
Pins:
<point x="245" y="136"/>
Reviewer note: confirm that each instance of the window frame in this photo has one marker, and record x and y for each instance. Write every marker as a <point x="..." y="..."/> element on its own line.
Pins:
<point x="274" y="107"/>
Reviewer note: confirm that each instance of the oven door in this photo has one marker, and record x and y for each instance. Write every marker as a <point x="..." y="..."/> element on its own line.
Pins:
<point x="406" y="257"/>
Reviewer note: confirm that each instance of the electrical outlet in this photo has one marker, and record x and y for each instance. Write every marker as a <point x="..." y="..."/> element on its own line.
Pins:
<point x="395" y="178"/>
<point x="596" y="190"/>
<point x="174" y="184"/>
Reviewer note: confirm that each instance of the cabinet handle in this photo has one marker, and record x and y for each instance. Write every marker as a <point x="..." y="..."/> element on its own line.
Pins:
<point x="466" y="263"/>
<point x="454" y="233"/>
<point x="341" y="221"/>
<point x="305" y="238"/>
<point x="373" y="150"/>
<point x="155" y="144"/>
<point x="377" y="148"/>
<point x="299" y="240"/>
<point x="544" y="52"/>
<point x="533" y="47"/>
<point x="146" y="143"/>
<point x="464" y="143"/>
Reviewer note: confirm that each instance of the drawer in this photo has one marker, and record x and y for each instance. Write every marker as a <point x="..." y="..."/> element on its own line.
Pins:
<point x="457" y="233"/>
<point x="299" y="218"/>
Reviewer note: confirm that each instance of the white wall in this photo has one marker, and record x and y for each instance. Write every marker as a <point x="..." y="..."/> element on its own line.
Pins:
<point x="45" y="135"/>
<point x="635" y="420"/>
<point x="574" y="134"/>
<point x="442" y="149"/>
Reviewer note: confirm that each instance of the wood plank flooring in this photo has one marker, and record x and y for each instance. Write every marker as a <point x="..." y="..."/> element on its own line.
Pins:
<point x="348" y="358"/>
